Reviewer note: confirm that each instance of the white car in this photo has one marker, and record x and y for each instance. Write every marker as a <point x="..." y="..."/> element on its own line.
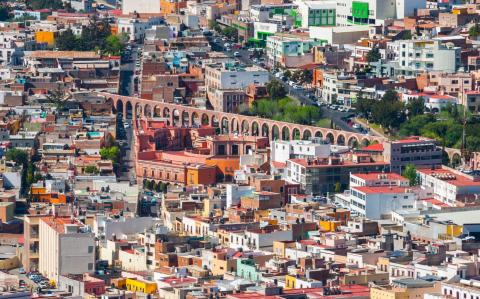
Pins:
<point x="126" y="125"/>
<point x="356" y="126"/>
<point x="237" y="54"/>
<point x="291" y="83"/>
<point x="226" y="45"/>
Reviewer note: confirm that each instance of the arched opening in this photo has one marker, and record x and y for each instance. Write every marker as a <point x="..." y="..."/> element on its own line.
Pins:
<point x="285" y="133"/>
<point x="113" y="106"/>
<point x="307" y="135"/>
<point x="245" y="127"/>
<point x="176" y="118"/>
<point x="275" y="132"/>
<point x="205" y="120"/>
<point x="296" y="134"/>
<point x="138" y="110"/>
<point x="330" y="137"/>
<point x="234" y="126"/>
<point x="365" y="142"/>
<point x="119" y="108"/>
<point x="195" y="120"/>
<point x="255" y="129"/>
<point x="318" y="134"/>
<point x="224" y="126"/>
<point x="341" y="139"/>
<point x="353" y="142"/>
<point x="185" y="119"/>
<point x="147" y="111"/>
<point x="456" y="160"/>
<point x="265" y="130"/>
<point x="157" y="111"/>
<point x="129" y="110"/>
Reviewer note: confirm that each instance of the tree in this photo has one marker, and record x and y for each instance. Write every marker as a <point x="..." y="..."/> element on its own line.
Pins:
<point x="57" y="97"/>
<point x="213" y="25"/>
<point x="338" y="187"/>
<point x="44" y="4"/>
<point x="410" y="173"/>
<point x="115" y="44"/>
<point x="110" y="153"/>
<point x="18" y="156"/>
<point x="275" y="89"/>
<point x="389" y="111"/>
<point x="230" y="33"/>
<point x="66" y="41"/>
<point x="364" y="105"/>
<point x="474" y="31"/>
<point x="149" y="185"/>
<point x="414" y="126"/>
<point x="374" y="55"/>
<point x="5" y="13"/>
<point x="91" y="169"/>
<point x="416" y="107"/>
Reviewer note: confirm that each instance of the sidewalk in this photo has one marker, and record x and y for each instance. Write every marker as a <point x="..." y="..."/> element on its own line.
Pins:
<point x="374" y="131"/>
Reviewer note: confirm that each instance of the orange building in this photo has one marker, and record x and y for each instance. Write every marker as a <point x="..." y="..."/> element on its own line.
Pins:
<point x="40" y="194"/>
<point x="45" y="37"/>
<point x="171" y="6"/>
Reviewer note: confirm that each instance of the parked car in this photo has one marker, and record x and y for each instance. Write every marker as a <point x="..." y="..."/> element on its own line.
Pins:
<point x="236" y="54"/>
<point x="356" y="126"/>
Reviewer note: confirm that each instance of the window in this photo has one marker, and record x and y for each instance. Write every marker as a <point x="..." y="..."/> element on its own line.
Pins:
<point x="90" y="266"/>
<point x="90" y="249"/>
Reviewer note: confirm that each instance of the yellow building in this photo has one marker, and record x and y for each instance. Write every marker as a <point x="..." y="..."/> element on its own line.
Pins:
<point x="280" y="246"/>
<point x="141" y="286"/>
<point x="290" y="282"/>
<point x="329" y="226"/>
<point x="45" y="37"/>
<point x="386" y="293"/>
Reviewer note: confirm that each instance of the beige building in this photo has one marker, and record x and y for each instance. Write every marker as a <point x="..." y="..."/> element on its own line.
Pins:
<point x="66" y="247"/>
<point x="31" y="235"/>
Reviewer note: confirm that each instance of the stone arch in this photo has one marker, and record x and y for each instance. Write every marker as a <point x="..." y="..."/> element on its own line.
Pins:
<point x="318" y="134"/>
<point x="255" y="129"/>
<point x="157" y="111"/>
<point x="234" y="125"/>
<point x="185" y="119"/>
<point x="285" y="133"/>
<point x="129" y="109"/>
<point x="330" y="137"/>
<point x="265" y="130"/>
<point x="456" y="160"/>
<point x="147" y="111"/>
<point x="119" y="107"/>
<point x="365" y="142"/>
<point x="176" y="118"/>
<point x="195" y="119"/>
<point x="341" y="139"/>
<point x="138" y="110"/>
<point x="275" y="132"/>
<point x="113" y="105"/>
<point x="245" y="127"/>
<point x="307" y="135"/>
<point x="166" y="112"/>
<point x="353" y="142"/>
<point x="296" y="134"/>
<point x="214" y="122"/>
<point x="224" y="125"/>
<point x="205" y="120"/>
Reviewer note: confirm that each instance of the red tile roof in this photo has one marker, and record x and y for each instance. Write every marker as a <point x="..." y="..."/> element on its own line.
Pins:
<point x="378" y="147"/>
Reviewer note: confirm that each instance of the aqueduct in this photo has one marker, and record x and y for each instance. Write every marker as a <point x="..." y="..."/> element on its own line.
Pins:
<point x="186" y="116"/>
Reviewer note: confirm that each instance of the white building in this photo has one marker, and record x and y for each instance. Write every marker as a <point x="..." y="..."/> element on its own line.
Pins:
<point x="375" y="12"/>
<point x="258" y="239"/>
<point x="374" y="202"/>
<point x="229" y="76"/>
<point x="283" y="150"/>
<point x="66" y="246"/>
<point x="419" y="56"/>
<point x="377" y="179"/>
<point x="140" y="6"/>
<point x="135" y="27"/>
<point x="449" y="185"/>
<point x="339" y="35"/>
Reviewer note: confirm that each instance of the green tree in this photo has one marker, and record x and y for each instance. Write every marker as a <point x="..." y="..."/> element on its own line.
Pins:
<point x="474" y="31"/>
<point x="374" y="55"/>
<point x="91" y="169"/>
<point x="416" y="107"/>
<point x="415" y="125"/>
<point x="18" y="156"/>
<point x="66" y="41"/>
<point x="110" y="153"/>
<point x="158" y="187"/>
<point x="213" y="25"/>
<point x="276" y="90"/>
<point x="149" y="185"/>
<point x="389" y="111"/>
<point x="230" y="33"/>
<point x="42" y="4"/>
<point x="410" y="173"/>
<point x="338" y="187"/>
<point x="5" y="13"/>
<point x="364" y="105"/>
<point x="57" y="97"/>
